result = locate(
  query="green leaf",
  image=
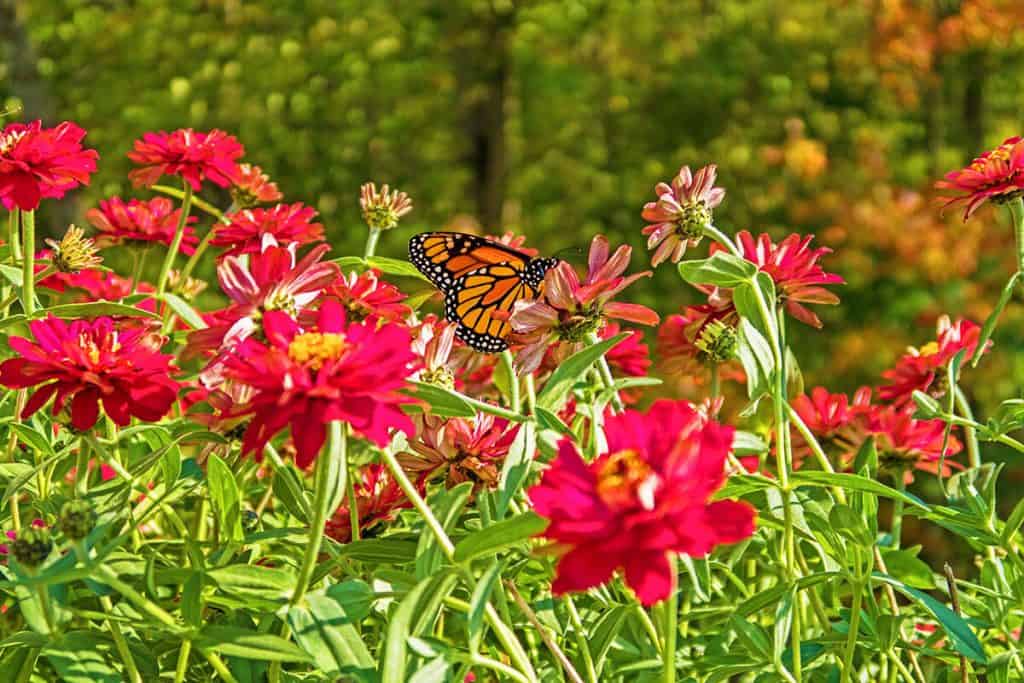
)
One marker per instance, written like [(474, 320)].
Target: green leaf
[(246, 579), (499, 536), (448, 506), (478, 604), (851, 524), (990, 322), (960, 634), (783, 623), (77, 659), (604, 633), (170, 465), (380, 550), (753, 637), (755, 354), (905, 566), (399, 629), (854, 482), (29, 436), (350, 263), (241, 642), (746, 443), (558, 386), (324, 627), (549, 420), (393, 266), (927, 407), (184, 310), (289, 491), (94, 309), (516, 467), (721, 269), (1013, 522), (442, 402), (226, 497)]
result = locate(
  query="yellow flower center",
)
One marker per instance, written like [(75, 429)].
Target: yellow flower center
[(8, 141), (1000, 154), (92, 350), (625, 476), (929, 349), (316, 348)]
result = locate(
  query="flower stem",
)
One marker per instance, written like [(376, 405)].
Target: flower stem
[(581, 639), (140, 265), (353, 507), (179, 234), (371, 243), (14, 234), (28, 263), (513, 381), (1016, 207), (183, 655), (715, 381), (670, 627), (970, 435), (107, 576), (218, 665), (605, 373), (851, 636), (204, 244), (897, 508), (720, 237), (121, 644), (40, 276)]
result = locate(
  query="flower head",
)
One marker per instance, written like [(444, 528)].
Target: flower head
[(996, 175), (286, 223), (839, 424), (305, 378), (432, 343), (250, 186), (682, 336), (37, 163), (184, 152), (74, 252), (91, 362), (367, 295), (647, 496), (460, 450), (924, 369), (378, 499), (32, 546), (904, 443), (569, 310), (794, 268), (134, 221), (382, 209), (683, 209)]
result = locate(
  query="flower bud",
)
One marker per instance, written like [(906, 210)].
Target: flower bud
[(382, 209), (717, 342), (74, 252), (32, 546), (77, 519)]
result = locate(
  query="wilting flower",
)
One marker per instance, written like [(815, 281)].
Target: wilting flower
[(91, 362), (677, 220), (155, 220), (904, 443), (250, 186), (184, 152), (569, 310), (37, 163), (368, 295), (270, 280), (285, 222), (307, 378), (460, 450), (793, 266), (74, 252), (996, 175), (646, 497), (924, 369), (432, 342), (382, 209), (378, 499)]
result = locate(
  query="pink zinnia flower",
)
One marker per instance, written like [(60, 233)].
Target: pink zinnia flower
[(904, 443), (677, 220), (460, 450), (37, 162), (155, 220), (924, 369), (996, 175), (839, 424), (285, 222), (378, 499), (793, 266), (184, 152), (90, 362), (368, 295), (251, 186), (646, 497), (432, 342), (569, 310), (307, 378), (680, 338)]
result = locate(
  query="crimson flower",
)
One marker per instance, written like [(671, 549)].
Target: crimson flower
[(904, 443), (307, 378), (287, 223), (378, 499), (682, 336), (793, 266), (368, 295), (155, 220), (251, 186), (184, 152), (833, 419), (924, 369), (90, 362), (568, 310), (647, 496), (460, 450), (996, 175), (683, 209), (96, 285), (37, 163)]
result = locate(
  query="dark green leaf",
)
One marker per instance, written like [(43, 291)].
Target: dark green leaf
[(399, 630), (95, 309), (558, 386), (225, 496), (516, 468), (478, 603), (77, 659), (240, 642), (324, 627), (442, 402), (497, 537)]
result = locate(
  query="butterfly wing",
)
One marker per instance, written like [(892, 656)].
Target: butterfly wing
[(445, 257), (474, 298)]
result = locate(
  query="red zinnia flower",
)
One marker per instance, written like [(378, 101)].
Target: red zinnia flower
[(461, 450), (155, 220), (287, 223), (647, 496), (184, 152), (997, 175), (924, 369), (378, 499), (904, 443), (569, 310), (834, 420), (306, 378), (680, 356), (367, 295), (793, 266), (91, 361), (37, 162), (251, 186), (681, 213)]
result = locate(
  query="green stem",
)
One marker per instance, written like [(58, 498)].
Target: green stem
[(970, 435), (531, 395), (720, 237), (670, 628), (172, 251), (204, 244), (816, 449), (140, 265), (218, 665), (41, 275), (371, 243), (353, 507), (107, 576), (183, 655), (14, 234), (581, 640), (605, 372), (508, 363), (897, 508), (1016, 207), (851, 637), (650, 629), (715, 381), (28, 263), (121, 644)]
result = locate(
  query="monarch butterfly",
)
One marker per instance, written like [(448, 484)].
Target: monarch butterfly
[(478, 276)]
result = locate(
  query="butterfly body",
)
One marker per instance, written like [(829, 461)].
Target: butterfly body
[(481, 280)]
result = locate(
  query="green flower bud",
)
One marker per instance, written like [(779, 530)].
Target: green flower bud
[(32, 546), (77, 519)]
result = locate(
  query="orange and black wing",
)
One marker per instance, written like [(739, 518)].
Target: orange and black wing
[(445, 257), (474, 298)]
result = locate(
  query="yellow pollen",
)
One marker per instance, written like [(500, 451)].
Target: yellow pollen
[(1000, 154), (624, 477), (7, 142), (316, 348), (929, 349)]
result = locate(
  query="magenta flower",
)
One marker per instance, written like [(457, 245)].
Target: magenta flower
[(997, 175), (683, 209), (193, 156), (155, 220), (37, 163), (287, 223)]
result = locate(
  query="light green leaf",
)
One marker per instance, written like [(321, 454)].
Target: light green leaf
[(94, 309), (240, 642), (499, 536), (721, 269), (225, 496), (184, 310), (558, 386)]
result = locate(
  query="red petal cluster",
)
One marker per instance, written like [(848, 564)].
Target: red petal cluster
[(368, 295), (150, 221), (184, 152), (378, 499), (286, 223), (919, 369), (997, 175), (37, 163)]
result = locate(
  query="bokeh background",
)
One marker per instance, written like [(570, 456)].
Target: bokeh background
[(556, 119)]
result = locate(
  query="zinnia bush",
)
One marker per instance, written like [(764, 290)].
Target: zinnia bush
[(304, 473)]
